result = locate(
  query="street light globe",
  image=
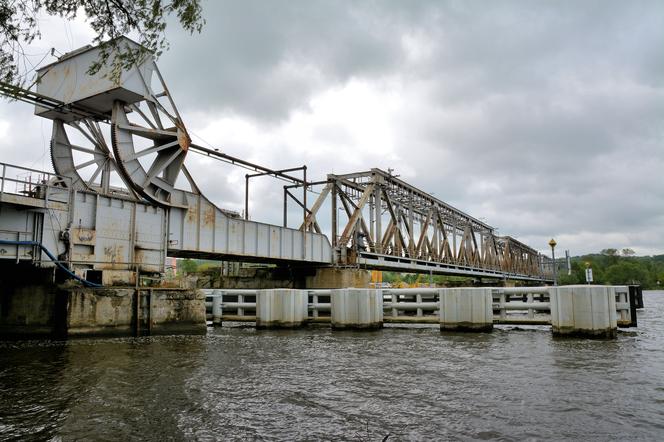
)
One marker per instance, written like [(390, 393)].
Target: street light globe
[(552, 243)]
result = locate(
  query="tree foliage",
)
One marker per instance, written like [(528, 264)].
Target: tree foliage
[(627, 252), (187, 266), (612, 268), (109, 19)]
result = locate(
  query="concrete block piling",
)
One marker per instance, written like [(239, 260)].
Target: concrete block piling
[(466, 309), (217, 310), (281, 308), (356, 309), (584, 310)]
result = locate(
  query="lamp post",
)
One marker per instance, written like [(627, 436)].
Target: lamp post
[(553, 243)]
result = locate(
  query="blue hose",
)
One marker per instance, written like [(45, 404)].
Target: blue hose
[(85, 282)]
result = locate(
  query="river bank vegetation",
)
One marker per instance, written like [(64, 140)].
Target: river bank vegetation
[(611, 266)]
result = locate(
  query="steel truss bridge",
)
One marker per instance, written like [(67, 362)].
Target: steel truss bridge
[(116, 201), (381, 222)]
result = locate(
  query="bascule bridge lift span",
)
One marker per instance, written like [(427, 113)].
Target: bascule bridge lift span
[(122, 197)]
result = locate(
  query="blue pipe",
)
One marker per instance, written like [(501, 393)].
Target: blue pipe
[(85, 282)]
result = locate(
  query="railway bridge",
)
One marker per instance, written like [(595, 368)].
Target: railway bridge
[(121, 199)]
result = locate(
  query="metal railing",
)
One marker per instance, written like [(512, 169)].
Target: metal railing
[(511, 305), (522, 305), (418, 305), (33, 185)]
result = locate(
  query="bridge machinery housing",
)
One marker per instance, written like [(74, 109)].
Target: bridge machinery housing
[(121, 198)]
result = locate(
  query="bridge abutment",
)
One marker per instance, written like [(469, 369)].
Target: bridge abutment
[(122, 311), (33, 306)]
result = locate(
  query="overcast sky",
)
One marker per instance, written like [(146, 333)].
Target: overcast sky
[(545, 119)]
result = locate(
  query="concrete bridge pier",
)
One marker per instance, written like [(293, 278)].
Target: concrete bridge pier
[(32, 305), (335, 278), (466, 310), (584, 311), (356, 309), (281, 308)]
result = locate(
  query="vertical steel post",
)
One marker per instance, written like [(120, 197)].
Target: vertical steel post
[(372, 219), (46, 195), (454, 242), (378, 239), (304, 210), (411, 225), (397, 222), (568, 261), (555, 270), (285, 207), (553, 243), (2, 184), (335, 221), (246, 197), (304, 198)]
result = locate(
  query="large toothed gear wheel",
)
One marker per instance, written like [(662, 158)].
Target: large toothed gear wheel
[(149, 153), (148, 140), (79, 151)]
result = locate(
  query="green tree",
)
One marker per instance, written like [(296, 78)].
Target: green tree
[(109, 19), (627, 252), (577, 275), (610, 256), (626, 272), (609, 252), (187, 266)]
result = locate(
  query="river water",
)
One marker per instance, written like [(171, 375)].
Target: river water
[(411, 384)]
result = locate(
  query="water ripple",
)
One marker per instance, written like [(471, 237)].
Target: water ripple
[(313, 384)]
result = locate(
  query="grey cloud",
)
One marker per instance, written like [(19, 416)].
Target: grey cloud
[(263, 59), (545, 118)]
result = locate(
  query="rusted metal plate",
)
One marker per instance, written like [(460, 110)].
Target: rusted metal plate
[(80, 235), (68, 81)]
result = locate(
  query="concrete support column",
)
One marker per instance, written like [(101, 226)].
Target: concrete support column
[(584, 310), (466, 309), (357, 309), (217, 312), (333, 278), (281, 308)]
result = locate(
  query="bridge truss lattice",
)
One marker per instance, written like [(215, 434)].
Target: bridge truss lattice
[(379, 221)]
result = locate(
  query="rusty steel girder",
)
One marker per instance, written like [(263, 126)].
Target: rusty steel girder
[(393, 225)]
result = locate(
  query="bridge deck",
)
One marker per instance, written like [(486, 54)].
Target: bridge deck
[(120, 233)]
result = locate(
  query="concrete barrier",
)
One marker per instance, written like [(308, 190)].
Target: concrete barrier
[(584, 310), (281, 308), (466, 309), (356, 309)]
